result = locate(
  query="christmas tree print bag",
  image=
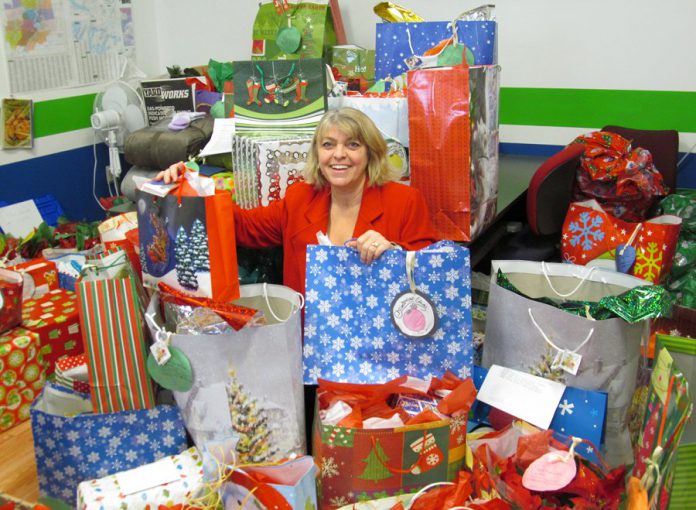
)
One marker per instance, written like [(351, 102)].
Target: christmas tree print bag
[(526, 334), (248, 383), (279, 95), (365, 464), (409, 312), (187, 238), (594, 237), (71, 444)]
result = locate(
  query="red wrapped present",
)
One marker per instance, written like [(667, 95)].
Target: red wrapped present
[(22, 375), (39, 275), (54, 316), (10, 300), (71, 372)]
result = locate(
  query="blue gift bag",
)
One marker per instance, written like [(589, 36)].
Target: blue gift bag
[(580, 413), (398, 41), (77, 447), (365, 324)]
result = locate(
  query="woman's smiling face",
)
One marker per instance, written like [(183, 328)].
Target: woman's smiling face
[(342, 160)]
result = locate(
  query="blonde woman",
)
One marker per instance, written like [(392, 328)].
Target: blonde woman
[(348, 195)]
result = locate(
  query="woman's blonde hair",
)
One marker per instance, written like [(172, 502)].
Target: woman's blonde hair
[(354, 124)]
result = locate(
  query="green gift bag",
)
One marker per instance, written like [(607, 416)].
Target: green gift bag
[(286, 31)]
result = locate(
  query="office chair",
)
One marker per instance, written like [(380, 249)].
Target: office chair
[(549, 194), (662, 144)]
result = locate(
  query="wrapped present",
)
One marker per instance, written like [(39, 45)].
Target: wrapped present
[(22, 375), (168, 482), (593, 237), (265, 165), (39, 276), (122, 231), (71, 444), (55, 318), (10, 299), (354, 65), (71, 372)]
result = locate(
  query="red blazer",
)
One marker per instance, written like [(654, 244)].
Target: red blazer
[(396, 211)]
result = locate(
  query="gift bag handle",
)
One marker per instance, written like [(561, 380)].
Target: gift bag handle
[(270, 309), (426, 489), (548, 340), (545, 272)]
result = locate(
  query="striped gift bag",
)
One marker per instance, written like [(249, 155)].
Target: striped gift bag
[(110, 297)]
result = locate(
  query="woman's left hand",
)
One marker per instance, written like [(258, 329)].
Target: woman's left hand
[(370, 246)]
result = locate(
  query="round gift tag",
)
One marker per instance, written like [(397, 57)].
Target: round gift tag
[(176, 374), (414, 314), (550, 472), (288, 39)]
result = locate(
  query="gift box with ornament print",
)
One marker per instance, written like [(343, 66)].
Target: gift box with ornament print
[(55, 318), (169, 483), (22, 375)]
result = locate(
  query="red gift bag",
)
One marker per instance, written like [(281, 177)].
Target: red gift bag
[(591, 236), (439, 136)]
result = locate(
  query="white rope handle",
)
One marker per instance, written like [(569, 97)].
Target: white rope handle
[(292, 308), (548, 340), (545, 272), (161, 335), (426, 489), (410, 266)]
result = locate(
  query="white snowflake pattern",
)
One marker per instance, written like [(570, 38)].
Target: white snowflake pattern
[(365, 367), (310, 330), (371, 301), (356, 342), (73, 435), (142, 439), (338, 344), (566, 407), (436, 261), (324, 307), (131, 455), (322, 256), (329, 467), (333, 320), (338, 370), (75, 451), (350, 356), (385, 274), (346, 314), (393, 373), (451, 292), (393, 357), (378, 322), (93, 457), (425, 359), (378, 343), (432, 459), (342, 255), (356, 289), (311, 296), (314, 373), (330, 282), (130, 419), (355, 271)]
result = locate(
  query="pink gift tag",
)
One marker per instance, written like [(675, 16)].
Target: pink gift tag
[(550, 472)]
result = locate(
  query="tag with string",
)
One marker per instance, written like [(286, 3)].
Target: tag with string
[(412, 311), (167, 365)]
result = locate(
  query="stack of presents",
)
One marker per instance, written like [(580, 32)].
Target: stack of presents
[(152, 379)]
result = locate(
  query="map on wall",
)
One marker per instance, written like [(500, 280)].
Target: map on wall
[(65, 43)]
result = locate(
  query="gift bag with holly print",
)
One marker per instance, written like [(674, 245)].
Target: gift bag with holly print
[(594, 237), (187, 237), (279, 95), (527, 331), (669, 406)]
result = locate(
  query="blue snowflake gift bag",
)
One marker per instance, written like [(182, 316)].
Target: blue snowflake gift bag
[(71, 444), (525, 332), (408, 313)]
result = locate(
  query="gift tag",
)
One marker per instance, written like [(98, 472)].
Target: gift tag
[(176, 374), (550, 472), (568, 361), (625, 257), (413, 313), (160, 351)]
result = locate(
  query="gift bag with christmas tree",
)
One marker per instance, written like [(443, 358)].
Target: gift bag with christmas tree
[(244, 383), (187, 237), (282, 95), (367, 445), (593, 237)]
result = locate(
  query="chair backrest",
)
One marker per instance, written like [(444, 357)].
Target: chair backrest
[(662, 144), (551, 190)]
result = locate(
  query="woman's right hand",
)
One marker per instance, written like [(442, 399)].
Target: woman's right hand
[(172, 174)]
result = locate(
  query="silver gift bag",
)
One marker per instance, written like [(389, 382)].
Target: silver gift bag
[(248, 383), (528, 335)]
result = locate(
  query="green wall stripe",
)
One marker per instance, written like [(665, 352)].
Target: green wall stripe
[(62, 115), (640, 109)]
